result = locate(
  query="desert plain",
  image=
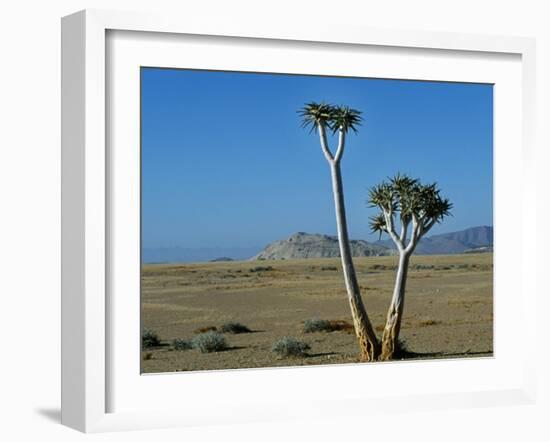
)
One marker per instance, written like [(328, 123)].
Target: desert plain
[(448, 309)]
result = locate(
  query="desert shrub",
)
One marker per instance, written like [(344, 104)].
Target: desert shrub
[(289, 346), (382, 267), (316, 325), (261, 269), (147, 356), (209, 342), (235, 328), (423, 266), (324, 325), (182, 344), (378, 267), (428, 322), (149, 338), (330, 268), (461, 266), (205, 329)]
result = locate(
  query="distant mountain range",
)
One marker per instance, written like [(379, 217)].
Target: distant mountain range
[(307, 245), (474, 239)]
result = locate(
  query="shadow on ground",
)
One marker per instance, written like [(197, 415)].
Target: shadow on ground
[(406, 354)]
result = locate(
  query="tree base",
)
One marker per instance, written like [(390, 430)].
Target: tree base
[(390, 345), (369, 351)]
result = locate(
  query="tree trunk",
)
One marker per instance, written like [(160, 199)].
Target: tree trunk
[(390, 343), (368, 342)]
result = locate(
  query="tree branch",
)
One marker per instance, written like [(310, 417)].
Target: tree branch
[(341, 144), (404, 228), (416, 233), (388, 216), (324, 143), (428, 226)]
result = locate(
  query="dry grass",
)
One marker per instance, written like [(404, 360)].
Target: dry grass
[(446, 312)]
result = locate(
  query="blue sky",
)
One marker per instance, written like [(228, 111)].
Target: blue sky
[(225, 162)]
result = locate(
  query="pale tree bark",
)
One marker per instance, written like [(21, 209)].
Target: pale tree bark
[(368, 342), (390, 336)]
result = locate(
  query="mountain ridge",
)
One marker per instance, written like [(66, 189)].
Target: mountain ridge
[(314, 245), (461, 241), (306, 245)]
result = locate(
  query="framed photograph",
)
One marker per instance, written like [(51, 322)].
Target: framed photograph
[(260, 222)]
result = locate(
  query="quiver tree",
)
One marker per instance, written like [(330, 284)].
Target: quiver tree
[(339, 120), (416, 207)]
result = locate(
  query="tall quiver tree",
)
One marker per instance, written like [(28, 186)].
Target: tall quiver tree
[(339, 120), (416, 207)]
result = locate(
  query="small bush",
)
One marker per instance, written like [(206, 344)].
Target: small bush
[(443, 268), (182, 344), (235, 328), (261, 269), (147, 356), (205, 329), (289, 346), (209, 342), (423, 266), (330, 268), (428, 322), (149, 338), (378, 267), (324, 325), (316, 325)]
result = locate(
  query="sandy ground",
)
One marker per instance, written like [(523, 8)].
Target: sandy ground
[(448, 308)]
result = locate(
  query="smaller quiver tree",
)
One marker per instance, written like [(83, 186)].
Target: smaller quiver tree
[(405, 204)]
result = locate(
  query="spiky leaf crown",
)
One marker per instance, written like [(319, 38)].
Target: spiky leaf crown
[(404, 196), (333, 117)]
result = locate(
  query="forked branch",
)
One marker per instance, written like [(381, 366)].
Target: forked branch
[(413, 203)]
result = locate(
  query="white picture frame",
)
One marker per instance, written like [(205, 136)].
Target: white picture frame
[(86, 205)]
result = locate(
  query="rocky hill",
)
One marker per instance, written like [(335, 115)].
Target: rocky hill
[(306, 245)]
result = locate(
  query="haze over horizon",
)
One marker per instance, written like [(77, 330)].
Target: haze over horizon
[(226, 165), (181, 254)]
